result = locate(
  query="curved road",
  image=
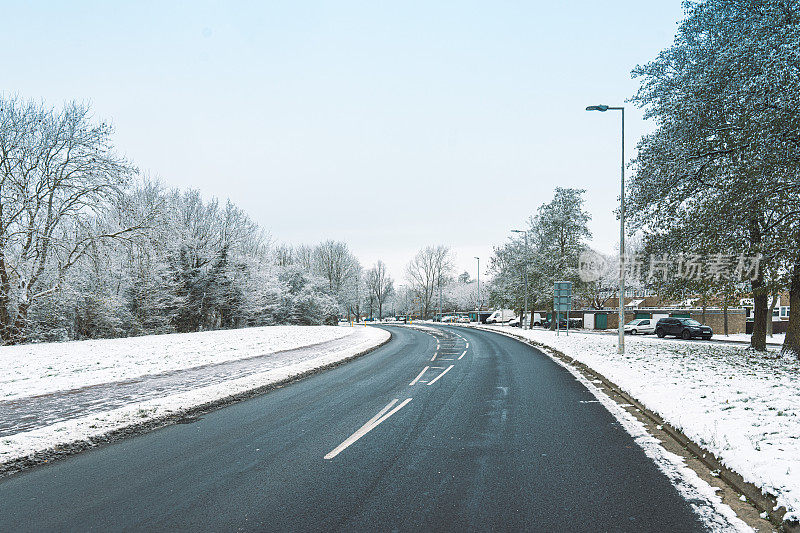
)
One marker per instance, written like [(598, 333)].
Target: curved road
[(491, 435)]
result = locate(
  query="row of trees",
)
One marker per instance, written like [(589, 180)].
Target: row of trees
[(89, 248), (718, 177), (721, 171), (549, 252)]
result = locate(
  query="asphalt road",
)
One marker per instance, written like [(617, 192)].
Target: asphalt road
[(493, 435)]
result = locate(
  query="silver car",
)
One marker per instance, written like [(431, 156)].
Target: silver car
[(640, 325)]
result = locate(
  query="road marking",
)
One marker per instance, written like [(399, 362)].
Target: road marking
[(433, 358), (419, 376), (445, 359), (439, 367), (467, 346), (369, 426), (440, 375), (462, 355)]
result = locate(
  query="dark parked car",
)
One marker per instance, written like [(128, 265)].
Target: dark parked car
[(562, 323), (685, 328)]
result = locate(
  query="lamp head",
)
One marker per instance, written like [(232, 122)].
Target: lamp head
[(597, 108)]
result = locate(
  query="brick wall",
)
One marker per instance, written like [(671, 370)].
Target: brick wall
[(715, 318)]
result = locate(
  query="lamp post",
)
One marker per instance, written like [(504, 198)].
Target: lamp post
[(621, 332), (478, 313), (525, 276)]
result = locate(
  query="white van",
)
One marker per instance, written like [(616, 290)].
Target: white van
[(501, 316)]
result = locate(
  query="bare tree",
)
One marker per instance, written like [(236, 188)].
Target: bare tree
[(380, 285), (303, 256), (58, 172), (427, 273), (334, 263)]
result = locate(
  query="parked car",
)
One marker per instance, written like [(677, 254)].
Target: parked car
[(501, 316), (640, 325), (537, 320), (463, 320), (685, 328), (562, 323)]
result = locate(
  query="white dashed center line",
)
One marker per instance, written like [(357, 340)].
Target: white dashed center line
[(440, 375), (369, 426), (414, 381)]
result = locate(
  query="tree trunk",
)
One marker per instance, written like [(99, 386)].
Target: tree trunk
[(758, 341), (769, 313), (725, 317), (5, 301), (791, 344), (18, 330)]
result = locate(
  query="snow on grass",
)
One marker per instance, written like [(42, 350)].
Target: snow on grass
[(741, 405), (33, 369), (96, 425), (776, 338)]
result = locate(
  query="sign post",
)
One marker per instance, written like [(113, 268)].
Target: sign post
[(562, 301)]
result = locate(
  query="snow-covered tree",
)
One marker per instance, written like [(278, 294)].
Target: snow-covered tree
[(58, 171), (722, 165)]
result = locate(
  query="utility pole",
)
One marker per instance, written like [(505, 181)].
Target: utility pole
[(621, 317), (524, 276), (478, 313), (440, 298)]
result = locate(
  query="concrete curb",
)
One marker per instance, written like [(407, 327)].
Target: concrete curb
[(188, 415), (764, 502)]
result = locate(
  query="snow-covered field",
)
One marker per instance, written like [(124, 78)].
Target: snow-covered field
[(71, 362), (33, 369), (742, 406)]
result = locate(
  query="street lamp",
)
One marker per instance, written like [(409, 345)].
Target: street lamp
[(525, 276), (621, 332), (478, 313)]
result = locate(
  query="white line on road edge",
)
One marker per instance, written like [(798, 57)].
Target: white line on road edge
[(369, 426), (462, 355), (440, 375), (419, 376)]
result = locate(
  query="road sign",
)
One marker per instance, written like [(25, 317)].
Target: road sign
[(562, 296), (562, 301)]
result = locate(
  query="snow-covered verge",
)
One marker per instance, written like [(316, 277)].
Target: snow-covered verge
[(742, 406), (92, 428), (34, 369), (776, 338)]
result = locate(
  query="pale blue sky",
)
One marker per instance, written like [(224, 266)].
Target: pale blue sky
[(390, 125)]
